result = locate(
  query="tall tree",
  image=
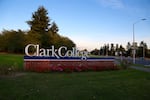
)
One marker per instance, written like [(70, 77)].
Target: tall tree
[(54, 28), (40, 21), (39, 26), (1, 42), (117, 50), (121, 50), (117, 47), (112, 50), (142, 49), (129, 49), (12, 41)]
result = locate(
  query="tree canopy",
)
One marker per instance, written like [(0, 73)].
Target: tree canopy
[(42, 31), (40, 21)]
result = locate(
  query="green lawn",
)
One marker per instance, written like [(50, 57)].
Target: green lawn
[(11, 59), (106, 85), (139, 65)]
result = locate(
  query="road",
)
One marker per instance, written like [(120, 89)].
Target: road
[(140, 61)]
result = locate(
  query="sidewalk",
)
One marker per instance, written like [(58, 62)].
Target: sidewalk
[(141, 68)]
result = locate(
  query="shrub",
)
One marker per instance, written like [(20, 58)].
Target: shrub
[(6, 69), (124, 64)]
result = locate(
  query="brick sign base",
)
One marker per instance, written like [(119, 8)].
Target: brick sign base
[(48, 64)]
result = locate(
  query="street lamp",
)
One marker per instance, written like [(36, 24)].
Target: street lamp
[(143, 51), (134, 51)]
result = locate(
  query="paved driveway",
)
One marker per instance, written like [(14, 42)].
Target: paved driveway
[(141, 61), (141, 68)]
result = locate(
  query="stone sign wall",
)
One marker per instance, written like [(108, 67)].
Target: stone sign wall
[(63, 59), (47, 64)]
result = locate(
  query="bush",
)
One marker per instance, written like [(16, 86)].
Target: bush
[(124, 64), (6, 69)]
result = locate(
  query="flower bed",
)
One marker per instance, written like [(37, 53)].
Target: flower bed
[(68, 65)]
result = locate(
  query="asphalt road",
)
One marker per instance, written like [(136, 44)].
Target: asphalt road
[(141, 68), (140, 61)]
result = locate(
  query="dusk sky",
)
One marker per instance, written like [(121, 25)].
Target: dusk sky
[(89, 23)]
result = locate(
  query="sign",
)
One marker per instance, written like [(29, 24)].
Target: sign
[(63, 59), (52, 52)]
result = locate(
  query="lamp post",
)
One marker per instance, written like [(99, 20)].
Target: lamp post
[(134, 51), (143, 50)]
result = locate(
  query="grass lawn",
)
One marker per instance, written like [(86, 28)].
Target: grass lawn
[(107, 85), (127, 84), (11, 59), (139, 65)]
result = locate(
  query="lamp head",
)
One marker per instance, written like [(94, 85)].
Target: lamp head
[(143, 19)]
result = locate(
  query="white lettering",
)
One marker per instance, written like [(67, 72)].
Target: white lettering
[(54, 52), (69, 53), (37, 50), (60, 52), (27, 49), (42, 52)]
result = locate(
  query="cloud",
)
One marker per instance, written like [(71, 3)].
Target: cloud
[(112, 3)]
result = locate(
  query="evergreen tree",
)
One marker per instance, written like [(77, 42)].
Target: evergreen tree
[(39, 27), (129, 49), (40, 21), (112, 50), (142, 49), (12, 41), (54, 28), (43, 33), (122, 50)]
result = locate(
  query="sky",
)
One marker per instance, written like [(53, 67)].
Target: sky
[(89, 23)]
